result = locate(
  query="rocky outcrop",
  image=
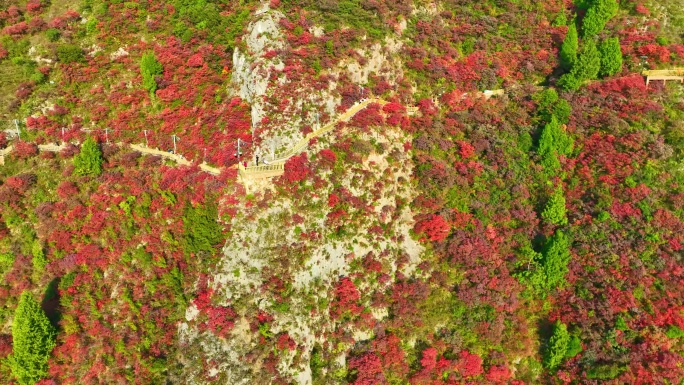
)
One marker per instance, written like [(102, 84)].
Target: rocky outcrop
[(251, 69)]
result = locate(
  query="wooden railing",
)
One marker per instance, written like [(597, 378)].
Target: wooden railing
[(263, 171)]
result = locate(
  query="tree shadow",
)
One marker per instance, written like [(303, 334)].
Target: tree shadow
[(50, 303), (544, 333)]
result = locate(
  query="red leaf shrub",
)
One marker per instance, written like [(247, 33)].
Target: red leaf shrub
[(333, 200), (285, 342), (368, 369), (67, 190), (16, 29), (346, 299), (296, 169), (388, 348), (220, 320), (327, 157), (429, 359), (466, 150), (195, 60), (655, 51), (24, 150), (641, 9), (498, 374), (436, 228), (5, 345), (34, 6)]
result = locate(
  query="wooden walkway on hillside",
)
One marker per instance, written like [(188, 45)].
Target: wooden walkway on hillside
[(276, 166)]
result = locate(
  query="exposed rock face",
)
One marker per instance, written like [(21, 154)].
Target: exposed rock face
[(251, 70), (261, 247), (264, 242), (260, 78)]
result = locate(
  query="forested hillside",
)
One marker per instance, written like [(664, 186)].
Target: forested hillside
[(499, 200)]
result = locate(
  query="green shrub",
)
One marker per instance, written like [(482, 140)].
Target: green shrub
[(568, 51), (574, 347), (569, 82), (89, 160), (53, 34), (6, 262), (39, 261), (620, 323), (562, 111), (150, 68), (546, 99), (674, 332), (33, 338), (557, 347), (549, 104), (604, 372), (611, 57), (69, 53), (202, 230), (554, 213)]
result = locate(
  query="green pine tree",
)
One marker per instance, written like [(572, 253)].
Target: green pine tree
[(33, 338), (555, 139), (598, 14), (555, 261), (89, 160), (588, 62), (568, 51), (554, 213), (150, 68), (611, 57), (557, 347)]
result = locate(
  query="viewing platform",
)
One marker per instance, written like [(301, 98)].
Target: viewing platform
[(664, 75)]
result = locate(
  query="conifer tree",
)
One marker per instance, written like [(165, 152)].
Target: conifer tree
[(554, 213), (33, 338), (588, 62), (555, 139), (89, 160), (555, 260), (611, 57), (568, 51), (557, 347), (150, 68), (598, 14)]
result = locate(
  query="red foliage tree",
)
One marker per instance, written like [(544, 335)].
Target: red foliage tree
[(469, 365)]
